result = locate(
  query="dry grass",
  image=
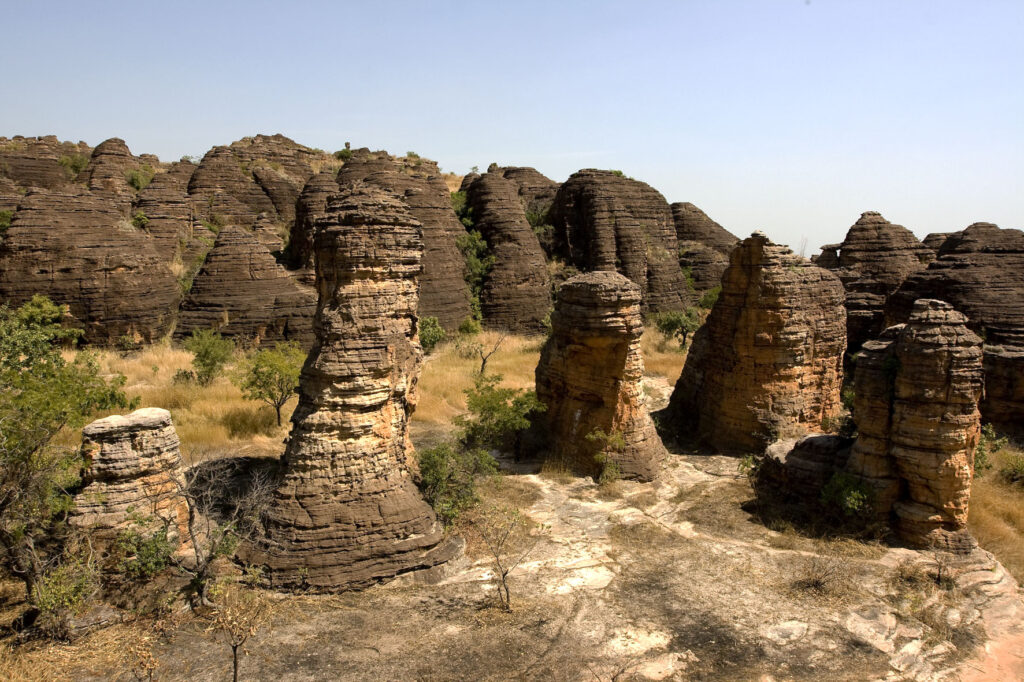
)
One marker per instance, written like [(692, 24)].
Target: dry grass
[(662, 356), (453, 181), (997, 515)]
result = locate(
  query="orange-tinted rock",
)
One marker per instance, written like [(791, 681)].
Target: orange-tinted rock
[(133, 478), (605, 221), (241, 291), (418, 183), (768, 361), (589, 377), (916, 405), (80, 250), (347, 513), (516, 294)]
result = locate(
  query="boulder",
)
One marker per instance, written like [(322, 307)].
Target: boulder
[(916, 405), (768, 361), (605, 221), (589, 377), (444, 293), (78, 249), (516, 293), (347, 513), (132, 478), (241, 291)]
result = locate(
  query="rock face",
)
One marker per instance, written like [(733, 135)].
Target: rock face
[(79, 250), (934, 240), (311, 206), (980, 272), (418, 183), (605, 221), (241, 291), (347, 513), (517, 291), (222, 189), (873, 261), (768, 361), (536, 190), (916, 405), (132, 469), (704, 246), (169, 216), (42, 162), (108, 169), (589, 378)]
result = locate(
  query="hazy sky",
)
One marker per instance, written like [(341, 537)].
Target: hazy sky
[(790, 116)]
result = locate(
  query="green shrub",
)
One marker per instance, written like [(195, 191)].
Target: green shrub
[(619, 173), (126, 343), (140, 178), (431, 333), (496, 414), (1013, 470), (479, 261), (448, 477), (688, 277), (710, 297), (462, 209), (62, 592), (343, 154), (271, 375), (848, 496), (989, 444), (678, 323), (140, 556), (140, 220), (183, 376), (211, 351), (412, 155), (214, 223), (5, 220), (470, 327), (73, 164), (610, 444)]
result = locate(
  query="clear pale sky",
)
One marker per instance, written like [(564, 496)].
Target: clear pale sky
[(783, 115)]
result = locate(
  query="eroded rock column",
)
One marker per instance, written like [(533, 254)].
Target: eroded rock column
[(347, 513), (589, 378), (767, 364)]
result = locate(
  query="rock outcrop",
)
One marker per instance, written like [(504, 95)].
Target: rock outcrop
[(873, 261), (310, 207), (704, 246), (980, 272), (768, 361), (347, 513), (605, 221), (43, 162), (241, 291), (223, 190), (916, 405), (536, 191), (168, 213), (516, 293), (108, 169), (133, 477), (78, 249), (935, 240), (589, 377), (418, 183)]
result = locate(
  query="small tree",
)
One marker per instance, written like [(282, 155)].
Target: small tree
[(448, 477), (431, 333), (271, 375), (237, 616), (211, 351), (678, 323), (506, 533), (496, 415)]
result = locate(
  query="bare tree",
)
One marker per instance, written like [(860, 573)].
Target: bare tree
[(238, 614), (506, 533), (485, 356)]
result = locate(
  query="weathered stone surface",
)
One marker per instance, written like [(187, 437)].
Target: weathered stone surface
[(589, 378), (107, 172), (605, 221), (934, 240), (704, 246), (36, 161), (132, 476), (223, 188), (873, 261), (517, 291), (347, 513), (310, 207), (916, 405), (169, 214), (768, 361), (536, 191), (418, 183), (980, 272), (799, 468), (78, 249), (467, 180), (241, 291), (10, 195)]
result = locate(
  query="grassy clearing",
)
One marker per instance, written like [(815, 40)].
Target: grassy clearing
[(997, 515), (662, 356)]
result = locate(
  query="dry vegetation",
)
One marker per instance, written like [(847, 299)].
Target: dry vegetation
[(997, 515)]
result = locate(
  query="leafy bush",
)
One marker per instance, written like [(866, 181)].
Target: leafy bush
[(470, 327), (479, 261), (618, 173), (462, 209), (140, 556), (140, 178), (211, 352), (431, 333), (140, 220), (74, 164), (63, 591), (688, 277), (412, 155), (271, 375), (848, 495), (710, 297), (496, 414), (126, 343), (610, 443), (678, 323), (988, 444), (5, 220), (214, 223), (183, 376), (448, 477), (1013, 470)]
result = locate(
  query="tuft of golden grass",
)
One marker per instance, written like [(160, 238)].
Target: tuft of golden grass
[(453, 181), (662, 356), (996, 516)]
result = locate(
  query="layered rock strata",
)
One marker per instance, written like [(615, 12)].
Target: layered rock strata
[(589, 377), (168, 214), (133, 477), (980, 272), (516, 294), (873, 261), (418, 183), (78, 249), (536, 191), (241, 291), (311, 206), (704, 246), (43, 162), (916, 405), (109, 168), (347, 513), (605, 221), (768, 361)]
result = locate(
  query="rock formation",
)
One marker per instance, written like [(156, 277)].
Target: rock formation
[(517, 291), (347, 513), (467, 180), (241, 291), (934, 240), (311, 206), (418, 183), (536, 191), (768, 361), (133, 478), (704, 246), (589, 378), (41, 161), (223, 189), (168, 212), (916, 405), (873, 261), (108, 170), (78, 249), (980, 272), (605, 221)]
